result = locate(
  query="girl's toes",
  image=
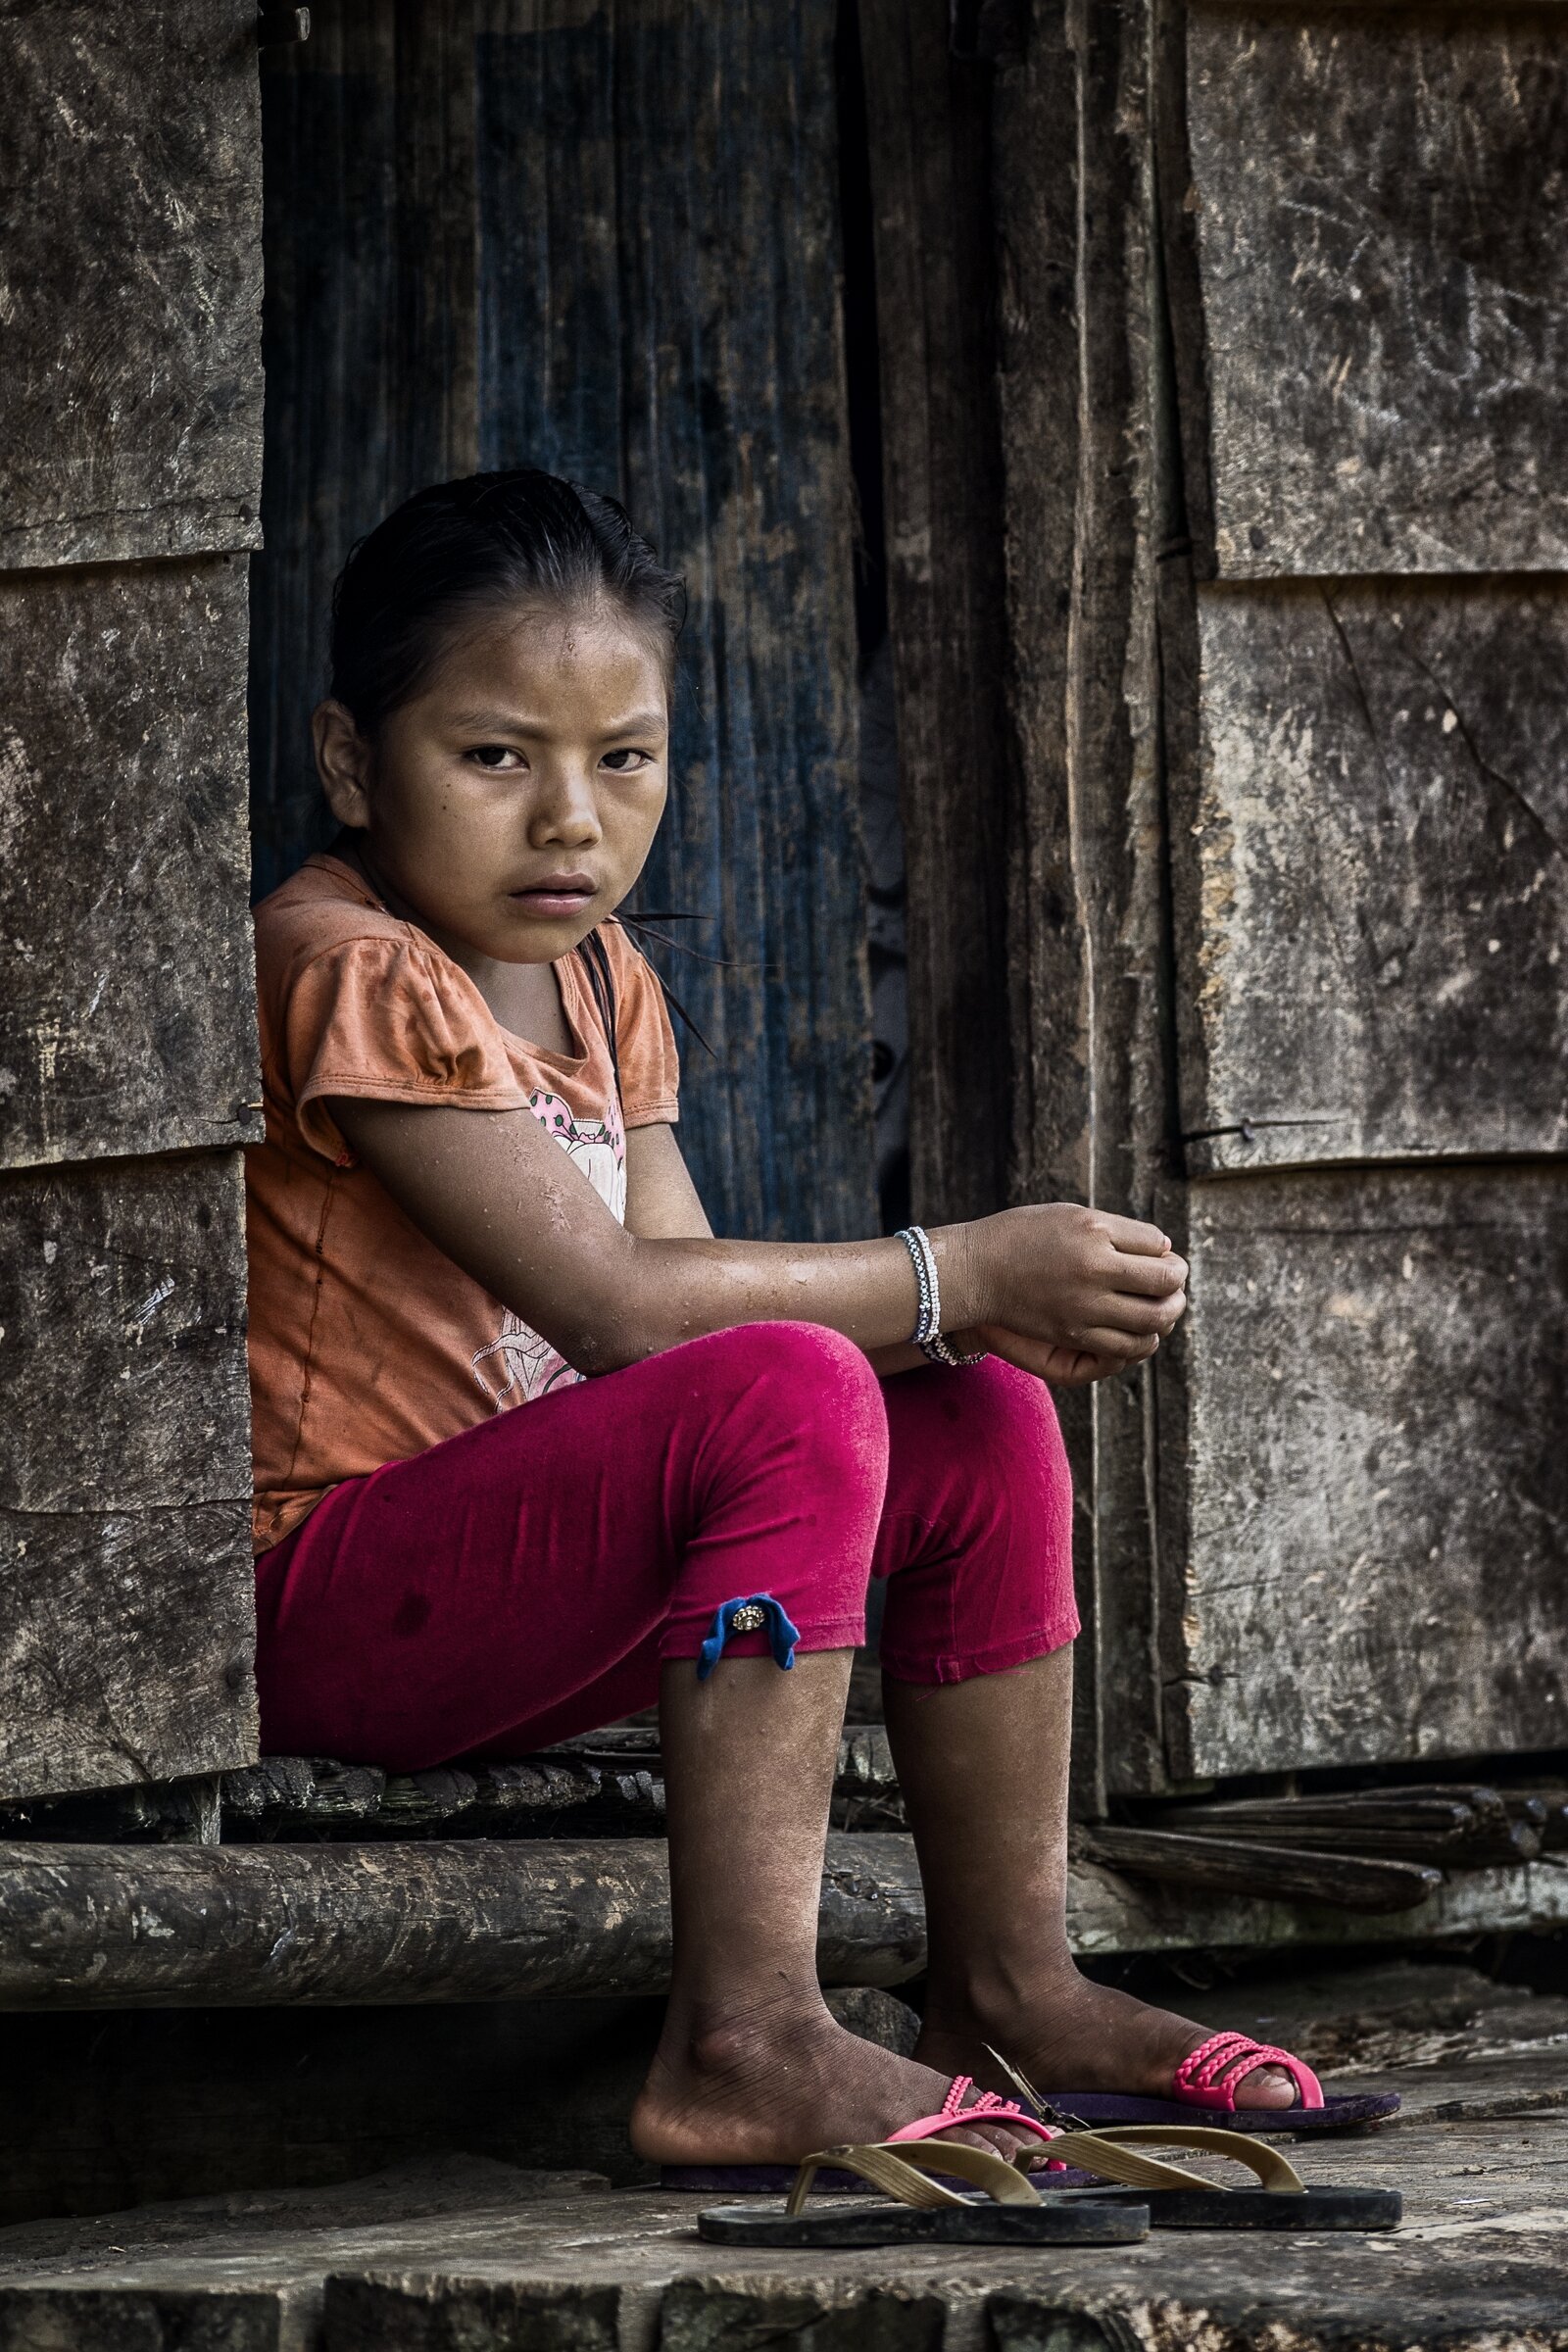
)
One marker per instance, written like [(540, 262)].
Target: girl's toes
[(1266, 2086)]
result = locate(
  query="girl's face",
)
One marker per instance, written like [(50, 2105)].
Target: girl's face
[(512, 801)]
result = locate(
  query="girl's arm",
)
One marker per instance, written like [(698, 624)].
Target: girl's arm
[(662, 1202), (495, 1191), (663, 1205)]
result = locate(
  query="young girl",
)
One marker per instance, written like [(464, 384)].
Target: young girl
[(533, 1450)]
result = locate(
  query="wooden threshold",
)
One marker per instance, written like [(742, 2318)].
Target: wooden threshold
[(99, 1927)]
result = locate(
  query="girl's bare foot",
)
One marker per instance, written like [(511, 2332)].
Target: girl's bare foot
[(1068, 2033), (983, 1767), (771, 2084)]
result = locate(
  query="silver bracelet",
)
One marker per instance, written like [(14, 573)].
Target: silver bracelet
[(927, 1332), (928, 1319)]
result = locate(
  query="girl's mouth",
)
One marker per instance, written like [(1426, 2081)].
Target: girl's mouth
[(556, 895)]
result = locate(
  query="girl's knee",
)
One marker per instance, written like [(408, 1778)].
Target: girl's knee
[(815, 1379), (802, 1406), (979, 1534), (790, 1461), (980, 1443), (1005, 1417)]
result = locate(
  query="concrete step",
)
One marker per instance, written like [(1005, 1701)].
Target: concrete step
[(465, 2256)]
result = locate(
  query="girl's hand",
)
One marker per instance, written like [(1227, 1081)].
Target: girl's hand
[(1074, 1293), (1061, 1367)]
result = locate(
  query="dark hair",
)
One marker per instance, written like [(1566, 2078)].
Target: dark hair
[(459, 547)]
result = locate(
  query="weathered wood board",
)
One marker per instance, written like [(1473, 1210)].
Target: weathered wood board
[(127, 1615), (460, 1918), (659, 314), (1380, 198), (1376, 1487), (1085, 941), (571, 273), (929, 137), (1372, 886), (131, 281), (369, 345), (128, 1014)]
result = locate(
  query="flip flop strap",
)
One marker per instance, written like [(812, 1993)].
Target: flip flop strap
[(1227, 2059), (1112, 2153), (987, 2108), (900, 2173)]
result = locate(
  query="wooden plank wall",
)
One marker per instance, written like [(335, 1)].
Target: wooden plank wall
[(1084, 525), (1367, 809), (996, 481), (1281, 361), (928, 134), (130, 374), (604, 240)]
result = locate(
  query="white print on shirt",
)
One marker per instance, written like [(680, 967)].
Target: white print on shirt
[(530, 1365)]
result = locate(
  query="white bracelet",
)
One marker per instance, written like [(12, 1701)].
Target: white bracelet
[(928, 1318), (927, 1332)]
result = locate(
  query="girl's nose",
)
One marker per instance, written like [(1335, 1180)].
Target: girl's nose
[(567, 813)]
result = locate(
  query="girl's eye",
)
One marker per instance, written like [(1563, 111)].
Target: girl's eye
[(497, 756), (632, 761)]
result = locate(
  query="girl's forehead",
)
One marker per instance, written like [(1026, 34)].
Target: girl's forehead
[(552, 650)]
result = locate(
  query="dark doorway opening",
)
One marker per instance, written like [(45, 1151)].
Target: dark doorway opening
[(881, 821)]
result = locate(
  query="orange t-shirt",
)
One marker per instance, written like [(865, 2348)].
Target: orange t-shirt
[(367, 1343)]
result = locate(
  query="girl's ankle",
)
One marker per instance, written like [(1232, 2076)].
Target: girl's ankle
[(998, 1999), (736, 2038)]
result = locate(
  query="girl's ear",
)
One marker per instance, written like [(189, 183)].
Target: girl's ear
[(343, 763)]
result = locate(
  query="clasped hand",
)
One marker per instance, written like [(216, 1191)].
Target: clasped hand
[(1073, 1293)]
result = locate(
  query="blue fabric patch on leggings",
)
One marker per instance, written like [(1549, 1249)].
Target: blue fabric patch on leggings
[(781, 1634)]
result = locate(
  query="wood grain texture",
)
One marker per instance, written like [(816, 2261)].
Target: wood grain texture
[(1379, 197), (547, 276), (126, 1591), (611, 1786), (131, 282), (159, 1927), (1241, 1865), (1371, 884), (1376, 1487), (128, 1014), (928, 119), (369, 344), (1110, 1912), (1085, 493), (659, 264)]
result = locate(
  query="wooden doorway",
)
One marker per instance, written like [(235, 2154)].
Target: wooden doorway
[(606, 240)]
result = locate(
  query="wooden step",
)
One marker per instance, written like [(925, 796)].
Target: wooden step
[(96, 1927), (496, 2259), (609, 1785), (1347, 1881), (1472, 1825), (337, 1923)]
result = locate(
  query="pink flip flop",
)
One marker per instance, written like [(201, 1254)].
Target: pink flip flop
[(772, 2179), (1208, 2077)]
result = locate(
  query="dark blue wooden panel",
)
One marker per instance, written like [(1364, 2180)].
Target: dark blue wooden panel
[(367, 342), (609, 247), (659, 317)]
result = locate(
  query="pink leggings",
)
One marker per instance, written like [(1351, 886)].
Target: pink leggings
[(527, 1579)]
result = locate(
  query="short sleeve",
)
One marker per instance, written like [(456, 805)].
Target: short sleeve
[(387, 1019), (645, 1042)]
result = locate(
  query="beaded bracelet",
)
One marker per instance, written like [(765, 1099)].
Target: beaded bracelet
[(941, 1352), (927, 1332), (928, 1318)]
